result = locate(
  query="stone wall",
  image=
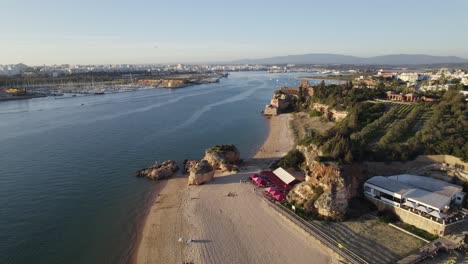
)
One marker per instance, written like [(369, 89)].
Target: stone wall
[(417, 220)]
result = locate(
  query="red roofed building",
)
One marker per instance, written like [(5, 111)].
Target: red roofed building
[(282, 179)]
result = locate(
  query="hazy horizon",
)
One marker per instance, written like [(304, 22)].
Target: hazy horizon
[(161, 32)]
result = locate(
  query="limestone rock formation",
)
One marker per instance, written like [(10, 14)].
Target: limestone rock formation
[(305, 194), (223, 157), (310, 153), (331, 114), (324, 192), (278, 104), (159, 170), (201, 173), (188, 165), (332, 203)]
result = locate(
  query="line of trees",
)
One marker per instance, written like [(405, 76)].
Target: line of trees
[(401, 127), (446, 132)]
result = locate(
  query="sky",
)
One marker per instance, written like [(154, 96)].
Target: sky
[(196, 31)]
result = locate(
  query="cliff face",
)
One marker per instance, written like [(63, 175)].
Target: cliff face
[(223, 157), (324, 192), (278, 104), (159, 170), (200, 173), (310, 153)]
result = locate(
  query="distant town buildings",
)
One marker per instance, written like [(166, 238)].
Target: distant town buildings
[(400, 97), (410, 77)]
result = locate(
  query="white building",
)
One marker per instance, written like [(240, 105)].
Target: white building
[(419, 194), (410, 77), (436, 87), (464, 81)]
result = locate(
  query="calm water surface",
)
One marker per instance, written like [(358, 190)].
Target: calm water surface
[(67, 188)]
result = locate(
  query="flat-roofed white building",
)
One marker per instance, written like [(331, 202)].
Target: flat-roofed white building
[(419, 194), (287, 177), (454, 192)]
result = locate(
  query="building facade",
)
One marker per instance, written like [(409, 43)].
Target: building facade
[(425, 198)]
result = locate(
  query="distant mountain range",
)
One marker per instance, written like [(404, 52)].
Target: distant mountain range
[(394, 59)]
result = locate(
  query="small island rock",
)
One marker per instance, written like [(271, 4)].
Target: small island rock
[(159, 170)]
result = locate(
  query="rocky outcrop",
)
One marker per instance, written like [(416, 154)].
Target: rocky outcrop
[(159, 170), (324, 192), (200, 173), (331, 114), (278, 104), (223, 157), (332, 204), (310, 153), (188, 165), (304, 195)]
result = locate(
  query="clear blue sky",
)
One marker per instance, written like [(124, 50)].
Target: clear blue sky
[(164, 31)]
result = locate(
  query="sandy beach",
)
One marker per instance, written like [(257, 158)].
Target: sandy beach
[(239, 228), (279, 140)]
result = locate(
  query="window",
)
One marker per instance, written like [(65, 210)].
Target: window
[(367, 189)]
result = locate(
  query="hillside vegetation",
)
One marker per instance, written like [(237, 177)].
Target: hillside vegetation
[(381, 131)]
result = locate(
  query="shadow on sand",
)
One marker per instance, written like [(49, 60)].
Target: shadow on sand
[(201, 241)]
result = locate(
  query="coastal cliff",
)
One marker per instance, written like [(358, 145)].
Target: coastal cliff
[(278, 104), (324, 192)]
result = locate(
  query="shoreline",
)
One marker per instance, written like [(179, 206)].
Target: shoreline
[(222, 228), (279, 140), (135, 244), (16, 98)]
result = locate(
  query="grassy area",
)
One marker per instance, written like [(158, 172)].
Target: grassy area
[(419, 232), (302, 123), (371, 239)]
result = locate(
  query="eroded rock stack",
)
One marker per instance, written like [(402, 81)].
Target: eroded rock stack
[(159, 170), (200, 173), (223, 157)]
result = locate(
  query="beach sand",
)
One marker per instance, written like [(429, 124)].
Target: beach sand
[(240, 228), (280, 139)]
